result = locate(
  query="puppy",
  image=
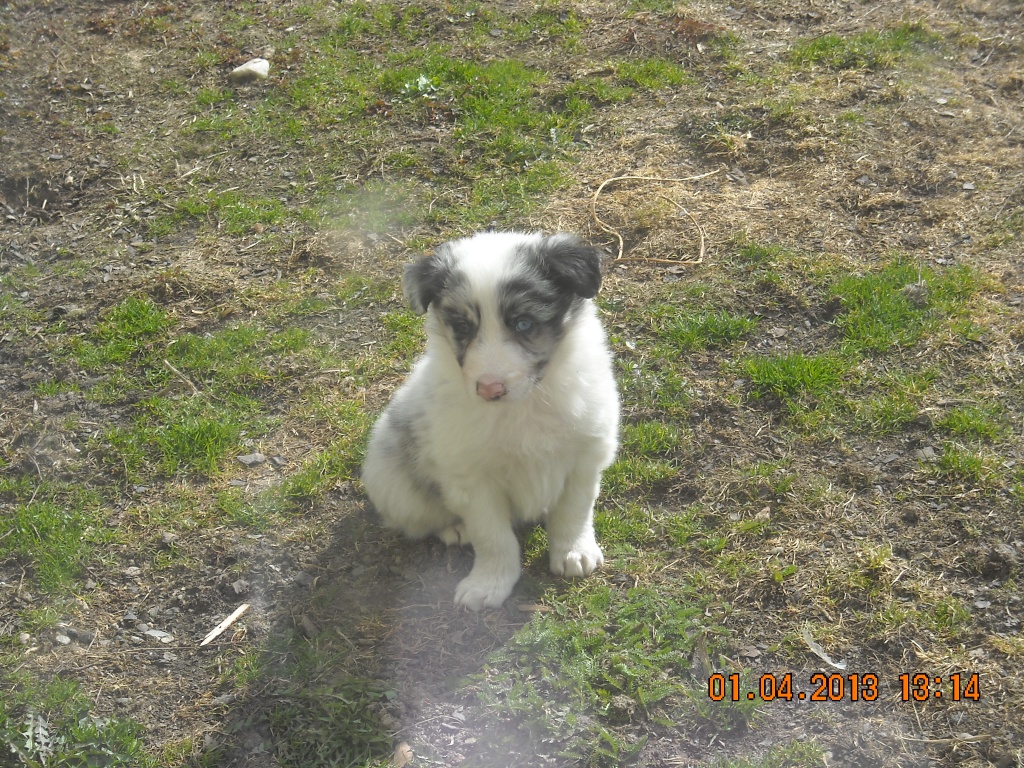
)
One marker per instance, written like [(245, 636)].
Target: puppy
[(510, 415)]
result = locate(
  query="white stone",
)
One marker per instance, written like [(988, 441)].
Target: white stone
[(256, 69)]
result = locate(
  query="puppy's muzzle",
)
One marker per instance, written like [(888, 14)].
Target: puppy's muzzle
[(491, 389)]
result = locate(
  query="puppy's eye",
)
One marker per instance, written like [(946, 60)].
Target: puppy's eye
[(524, 325), (461, 327)]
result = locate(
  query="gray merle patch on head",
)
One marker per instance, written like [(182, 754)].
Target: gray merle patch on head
[(425, 280), (461, 315), (547, 309), (535, 298), (570, 264)]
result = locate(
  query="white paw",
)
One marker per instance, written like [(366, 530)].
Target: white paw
[(485, 588), (582, 559), (454, 535)]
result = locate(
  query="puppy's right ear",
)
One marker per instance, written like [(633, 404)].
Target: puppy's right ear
[(424, 280)]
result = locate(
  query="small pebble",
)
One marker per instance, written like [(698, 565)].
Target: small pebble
[(256, 69), (252, 459), (163, 637)]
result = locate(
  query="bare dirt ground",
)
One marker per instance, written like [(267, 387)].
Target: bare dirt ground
[(936, 172)]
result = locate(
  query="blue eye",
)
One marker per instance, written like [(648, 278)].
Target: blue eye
[(523, 325)]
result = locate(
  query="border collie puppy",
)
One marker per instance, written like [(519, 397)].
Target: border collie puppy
[(510, 415)]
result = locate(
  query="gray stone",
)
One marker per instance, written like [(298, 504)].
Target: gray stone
[(252, 459)]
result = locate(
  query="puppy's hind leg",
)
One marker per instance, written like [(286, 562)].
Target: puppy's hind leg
[(406, 502), (455, 535)]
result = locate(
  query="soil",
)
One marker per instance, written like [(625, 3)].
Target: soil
[(937, 180)]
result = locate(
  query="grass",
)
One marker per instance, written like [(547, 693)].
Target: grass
[(985, 421), (900, 303), (339, 461), (871, 49), (627, 654), (307, 720), (796, 376), (221, 379), (65, 738), (758, 475), (648, 458), (50, 530), (125, 332), (687, 331)]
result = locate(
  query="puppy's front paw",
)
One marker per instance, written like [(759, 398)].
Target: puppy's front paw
[(485, 588), (581, 559)]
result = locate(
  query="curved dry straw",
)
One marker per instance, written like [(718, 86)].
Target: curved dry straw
[(611, 230)]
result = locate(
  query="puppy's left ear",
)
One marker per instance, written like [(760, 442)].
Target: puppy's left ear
[(572, 264), (423, 281)]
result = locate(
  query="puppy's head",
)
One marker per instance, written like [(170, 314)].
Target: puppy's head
[(503, 302)]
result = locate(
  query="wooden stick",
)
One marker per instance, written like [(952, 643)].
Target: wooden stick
[(215, 632)]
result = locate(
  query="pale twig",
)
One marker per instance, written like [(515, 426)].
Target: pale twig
[(183, 377), (611, 230), (215, 632), (700, 231)]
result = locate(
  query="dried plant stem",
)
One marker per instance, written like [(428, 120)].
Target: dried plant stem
[(611, 230)]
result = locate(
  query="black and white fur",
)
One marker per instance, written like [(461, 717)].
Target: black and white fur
[(510, 415)]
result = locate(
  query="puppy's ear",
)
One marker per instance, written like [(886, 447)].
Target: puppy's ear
[(572, 264), (423, 281)]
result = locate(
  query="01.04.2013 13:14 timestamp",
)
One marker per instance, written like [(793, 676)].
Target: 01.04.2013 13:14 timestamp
[(840, 687)]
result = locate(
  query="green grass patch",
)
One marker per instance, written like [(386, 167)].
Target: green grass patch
[(404, 333), (796, 376), (51, 726), (238, 358), (50, 533), (604, 657), (893, 401), (189, 435), (316, 714), (648, 458), (127, 331), (867, 50), (194, 435), (961, 463), (334, 724), (762, 254), (220, 378), (984, 421), (900, 303), (582, 96), (652, 74), (356, 290), (684, 526), (231, 210), (886, 413), (624, 528), (704, 330), (549, 23), (338, 462)]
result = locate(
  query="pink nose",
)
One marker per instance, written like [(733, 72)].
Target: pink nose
[(491, 389)]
